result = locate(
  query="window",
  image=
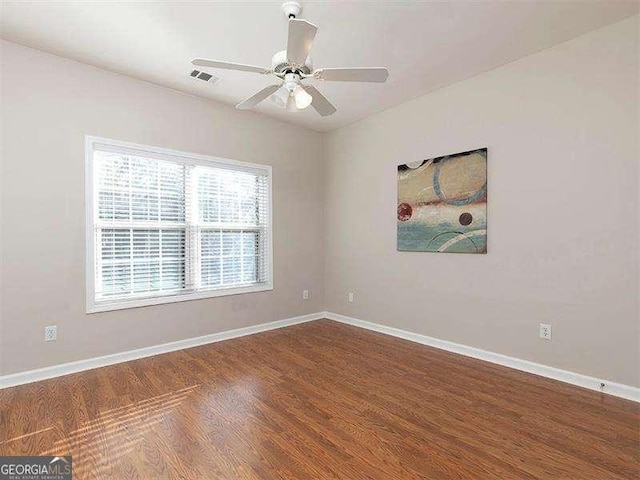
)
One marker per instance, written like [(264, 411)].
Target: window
[(166, 226)]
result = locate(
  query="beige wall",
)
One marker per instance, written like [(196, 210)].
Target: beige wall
[(562, 131), (47, 106)]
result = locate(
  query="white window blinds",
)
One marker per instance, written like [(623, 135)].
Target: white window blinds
[(174, 227)]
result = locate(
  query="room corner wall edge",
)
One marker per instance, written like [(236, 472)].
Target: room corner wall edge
[(611, 388), (29, 376)]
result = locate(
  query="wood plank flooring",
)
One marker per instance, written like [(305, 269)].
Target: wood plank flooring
[(321, 400)]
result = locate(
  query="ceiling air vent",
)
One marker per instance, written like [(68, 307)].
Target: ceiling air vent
[(204, 76)]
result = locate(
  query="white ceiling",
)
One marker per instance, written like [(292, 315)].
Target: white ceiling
[(425, 44)]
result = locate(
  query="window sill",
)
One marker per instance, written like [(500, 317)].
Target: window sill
[(107, 306)]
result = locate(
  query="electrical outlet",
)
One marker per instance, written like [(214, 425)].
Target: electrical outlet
[(545, 331), (350, 297), (305, 294), (50, 333)]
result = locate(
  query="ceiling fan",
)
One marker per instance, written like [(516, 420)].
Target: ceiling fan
[(294, 65)]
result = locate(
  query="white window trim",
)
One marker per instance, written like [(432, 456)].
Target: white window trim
[(175, 156)]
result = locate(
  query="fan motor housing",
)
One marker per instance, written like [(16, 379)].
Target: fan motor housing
[(279, 64)]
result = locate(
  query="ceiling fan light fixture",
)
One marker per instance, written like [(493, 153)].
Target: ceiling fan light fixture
[(301, 97), (291, 96), (281, 97), (291, 104)]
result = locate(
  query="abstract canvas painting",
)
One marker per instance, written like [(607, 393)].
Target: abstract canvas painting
[(442, 204)]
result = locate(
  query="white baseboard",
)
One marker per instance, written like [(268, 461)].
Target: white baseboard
[(91, 363), (592, 383)]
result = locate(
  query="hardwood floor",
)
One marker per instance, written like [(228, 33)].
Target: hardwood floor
[(321, 400)]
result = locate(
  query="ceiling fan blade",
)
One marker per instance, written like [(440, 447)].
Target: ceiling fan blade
[(301, 35), (378, 75), (201, 62), (257, 98), (319, 102)]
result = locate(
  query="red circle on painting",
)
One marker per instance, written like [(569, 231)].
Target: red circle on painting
[(404, 212)]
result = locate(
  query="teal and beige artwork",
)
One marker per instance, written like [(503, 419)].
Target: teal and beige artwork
[(442, 204)]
